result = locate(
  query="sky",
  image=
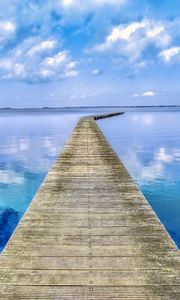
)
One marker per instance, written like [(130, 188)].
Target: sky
[(89, 52)]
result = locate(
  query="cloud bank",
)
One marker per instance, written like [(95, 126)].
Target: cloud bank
[(50, 40), (137, 41), (36, 60)]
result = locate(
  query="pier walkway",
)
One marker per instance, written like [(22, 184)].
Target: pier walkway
[(89, 234)]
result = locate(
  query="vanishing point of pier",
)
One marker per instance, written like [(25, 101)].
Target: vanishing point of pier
[(89, 234)]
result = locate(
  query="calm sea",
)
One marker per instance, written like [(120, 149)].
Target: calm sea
[(147, 142)]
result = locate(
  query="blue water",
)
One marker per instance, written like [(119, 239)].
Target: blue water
[(29, 144), (149, 146)]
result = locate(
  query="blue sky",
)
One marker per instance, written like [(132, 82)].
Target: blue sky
[(89, 52)]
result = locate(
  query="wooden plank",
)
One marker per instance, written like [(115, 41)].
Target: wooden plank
[(89, 233)]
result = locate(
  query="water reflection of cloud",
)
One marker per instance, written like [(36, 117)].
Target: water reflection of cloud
[(10, 147), (145, 119), (141, 172), (176, 153), (29, 143), (52, 146), (163, 156), (35, 141), (152, 172), (14, 145), (167, 156), (10, 177), (144, 172), (24, 144)]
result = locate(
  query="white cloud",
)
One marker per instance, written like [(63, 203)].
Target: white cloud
[(7, 30), (89, 4), (19, 70), (145, 94), (71, 65), (6, 64), (61, 62), (39, 14), (38, 60), (140, 65), (124, 32), (97, 72), (42, 47), (10, 68), (156, 30), (99, 12), (149, 94), (169, 54), (46, 74), (129, 41), (70, 73), (41, 56), (7, 27), (56, 60)]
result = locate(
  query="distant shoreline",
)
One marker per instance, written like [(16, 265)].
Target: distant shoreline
[(89, 107)]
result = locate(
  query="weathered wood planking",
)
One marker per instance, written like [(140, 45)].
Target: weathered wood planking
[(89, 233)]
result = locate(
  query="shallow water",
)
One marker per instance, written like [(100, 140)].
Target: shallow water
[(149, 146), (29, 144)]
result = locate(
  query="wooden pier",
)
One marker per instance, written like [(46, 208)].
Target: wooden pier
[(89, 234)]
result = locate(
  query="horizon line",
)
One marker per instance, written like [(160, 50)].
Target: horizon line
[(98, 106)]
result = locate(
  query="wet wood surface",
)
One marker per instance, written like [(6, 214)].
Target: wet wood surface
[(89, 233)]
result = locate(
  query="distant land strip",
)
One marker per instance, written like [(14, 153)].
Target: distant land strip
[(90, 107)]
